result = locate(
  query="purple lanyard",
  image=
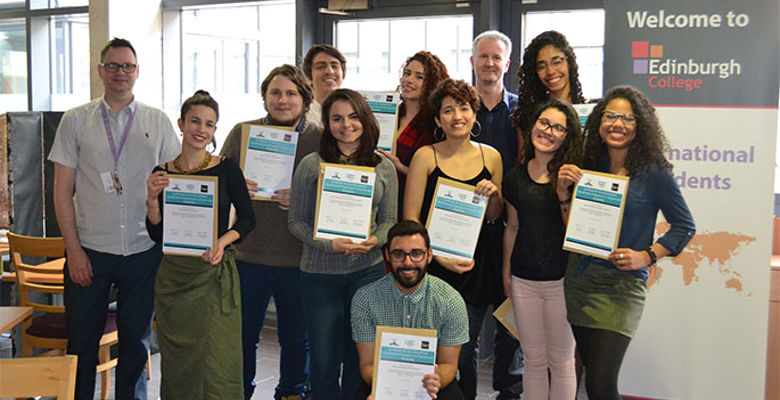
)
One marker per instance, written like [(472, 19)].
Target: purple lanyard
[(122, 142)]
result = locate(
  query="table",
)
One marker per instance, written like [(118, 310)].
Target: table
[(12, 316), (53, 265)]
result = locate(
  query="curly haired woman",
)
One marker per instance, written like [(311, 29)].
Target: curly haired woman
[(421, 73), (605, 298), (549, 71)]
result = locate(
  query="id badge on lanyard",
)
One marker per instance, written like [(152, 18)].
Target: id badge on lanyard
[(114, 151)]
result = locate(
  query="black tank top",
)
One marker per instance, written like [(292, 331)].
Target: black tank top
[(475, 286)]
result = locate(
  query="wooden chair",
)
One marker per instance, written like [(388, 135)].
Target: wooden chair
[(34, 376), (48, 330)]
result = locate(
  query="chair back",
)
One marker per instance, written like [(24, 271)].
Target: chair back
[(46, 277), (38, 376)]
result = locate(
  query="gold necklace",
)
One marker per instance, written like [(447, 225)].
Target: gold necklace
[(204, 164)]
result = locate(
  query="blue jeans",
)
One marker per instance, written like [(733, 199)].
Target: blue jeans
[(258, 284), (327, 302), (85, 314)]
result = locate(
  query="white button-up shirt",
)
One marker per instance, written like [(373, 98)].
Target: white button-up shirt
[(106, 221)]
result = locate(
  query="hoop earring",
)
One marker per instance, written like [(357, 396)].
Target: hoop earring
[(479, 129), (438, 137)]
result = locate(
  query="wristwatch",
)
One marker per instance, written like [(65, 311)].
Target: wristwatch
[(653, 257)]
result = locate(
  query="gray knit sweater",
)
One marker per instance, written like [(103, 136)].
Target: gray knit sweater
[(318, 256)]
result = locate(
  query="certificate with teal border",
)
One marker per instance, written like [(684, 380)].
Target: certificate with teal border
[(596, 214), (402, 357), (190, 214), (345, 195)]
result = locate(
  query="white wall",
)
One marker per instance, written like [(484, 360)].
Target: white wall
[(138, 21)]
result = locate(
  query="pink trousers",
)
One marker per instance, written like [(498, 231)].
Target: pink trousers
[(546, 339)]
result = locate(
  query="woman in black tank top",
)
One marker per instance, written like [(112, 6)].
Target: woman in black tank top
[(454, 104)]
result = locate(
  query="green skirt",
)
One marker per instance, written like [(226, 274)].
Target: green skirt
[(603, 298), (198, 311)]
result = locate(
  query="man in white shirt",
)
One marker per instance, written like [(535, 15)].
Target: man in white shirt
[(103, 152)]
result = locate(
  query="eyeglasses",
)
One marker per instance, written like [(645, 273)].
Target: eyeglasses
[(416, 255), (557, 62), (556, 129), (114, 67), (612, 117)]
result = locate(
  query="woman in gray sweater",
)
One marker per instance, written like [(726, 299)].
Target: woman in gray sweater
[(332, 270)]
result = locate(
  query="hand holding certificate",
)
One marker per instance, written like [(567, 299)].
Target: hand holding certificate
[(190, 214), (344, 198), (268, 157), (596, 214), (402, 357), (455, 219)]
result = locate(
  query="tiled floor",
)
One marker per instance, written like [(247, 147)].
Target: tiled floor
[(267, 369)]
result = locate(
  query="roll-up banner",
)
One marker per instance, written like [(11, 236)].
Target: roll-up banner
[(711, 69)]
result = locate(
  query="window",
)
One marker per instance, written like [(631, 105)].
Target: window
[(13, 65), (376, 49), (584, 29), (11, 4), (69, 61), (53, 72), (40, 4), (228, 50)]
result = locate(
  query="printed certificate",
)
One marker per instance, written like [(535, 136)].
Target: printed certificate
[(344, 198), (455, 219), (190, 214), (402, 356), (583, 111), (385, 108), (268, 157), (596, 214)]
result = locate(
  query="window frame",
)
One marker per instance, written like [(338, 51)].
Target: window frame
[(33, 91)]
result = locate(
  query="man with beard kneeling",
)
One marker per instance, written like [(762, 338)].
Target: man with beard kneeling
[(411, 299)]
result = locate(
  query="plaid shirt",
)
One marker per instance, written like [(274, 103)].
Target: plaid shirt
[(434, 305)]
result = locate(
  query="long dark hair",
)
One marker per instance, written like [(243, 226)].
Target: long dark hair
[(435, 73), (531, 91), (570, 151), (365, 154), (649, 143)]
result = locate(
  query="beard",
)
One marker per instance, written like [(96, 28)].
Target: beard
[(409, 283)]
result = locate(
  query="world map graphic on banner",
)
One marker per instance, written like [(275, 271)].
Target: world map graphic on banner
[(712, 250)]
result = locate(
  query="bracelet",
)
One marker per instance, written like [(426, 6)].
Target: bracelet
[(565, 202), (653, 257)]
